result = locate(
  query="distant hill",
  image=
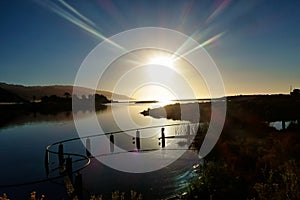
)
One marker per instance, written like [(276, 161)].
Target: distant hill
[(28, 93), (6, 96)]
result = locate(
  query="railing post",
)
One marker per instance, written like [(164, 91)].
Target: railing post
[(61, 154), (78, 186), (69, 168), (112, 143), (163, 139), (47, 162), (88, 147), (137, 140)]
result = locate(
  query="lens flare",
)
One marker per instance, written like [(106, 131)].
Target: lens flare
[(219, 10), (203, 44), (69, 13)]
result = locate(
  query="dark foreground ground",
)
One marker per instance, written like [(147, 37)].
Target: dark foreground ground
[(251, 160)]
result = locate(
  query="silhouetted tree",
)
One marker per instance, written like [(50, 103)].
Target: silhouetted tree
[(67, 95), (101, 98), (83, 98)]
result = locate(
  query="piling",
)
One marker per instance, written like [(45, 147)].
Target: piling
[(69, 167), (137, 140), (163, 138), (112, 143), (47, 162), (61, 154), (88, 147), (78, 186), (46, 157)]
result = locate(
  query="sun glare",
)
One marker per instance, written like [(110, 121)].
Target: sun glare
[(162, 60), (154, 92)]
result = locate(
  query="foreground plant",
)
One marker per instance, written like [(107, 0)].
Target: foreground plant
[(4, 197), (282, 183)]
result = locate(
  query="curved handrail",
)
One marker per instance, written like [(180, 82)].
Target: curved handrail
[(84, 157), (115, 132), (53, 178)]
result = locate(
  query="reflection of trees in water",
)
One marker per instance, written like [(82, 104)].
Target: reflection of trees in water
[(20, 118), (12, 115)]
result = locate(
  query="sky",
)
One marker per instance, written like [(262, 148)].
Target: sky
[(255, 44)]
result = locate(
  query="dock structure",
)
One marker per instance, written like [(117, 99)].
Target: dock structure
[(71, 173)]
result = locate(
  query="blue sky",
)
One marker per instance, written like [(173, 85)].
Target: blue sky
[(258, 52)]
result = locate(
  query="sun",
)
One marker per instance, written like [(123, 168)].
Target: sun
[(167, 61)]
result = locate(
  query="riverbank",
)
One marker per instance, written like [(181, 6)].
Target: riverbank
[(239, 108), (251, 159)]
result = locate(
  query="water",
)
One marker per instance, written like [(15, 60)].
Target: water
[(23, 143), (278, 125), (282, 125)]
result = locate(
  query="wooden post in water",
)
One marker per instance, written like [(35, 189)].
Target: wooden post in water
[(88, 147), (163, 139), (69, 167), (112, 143), (46, 157), (47, 162), (137, 140), (78, 186), (61, 154)]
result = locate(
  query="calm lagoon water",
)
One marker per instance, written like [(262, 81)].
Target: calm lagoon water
[(23, 144)]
